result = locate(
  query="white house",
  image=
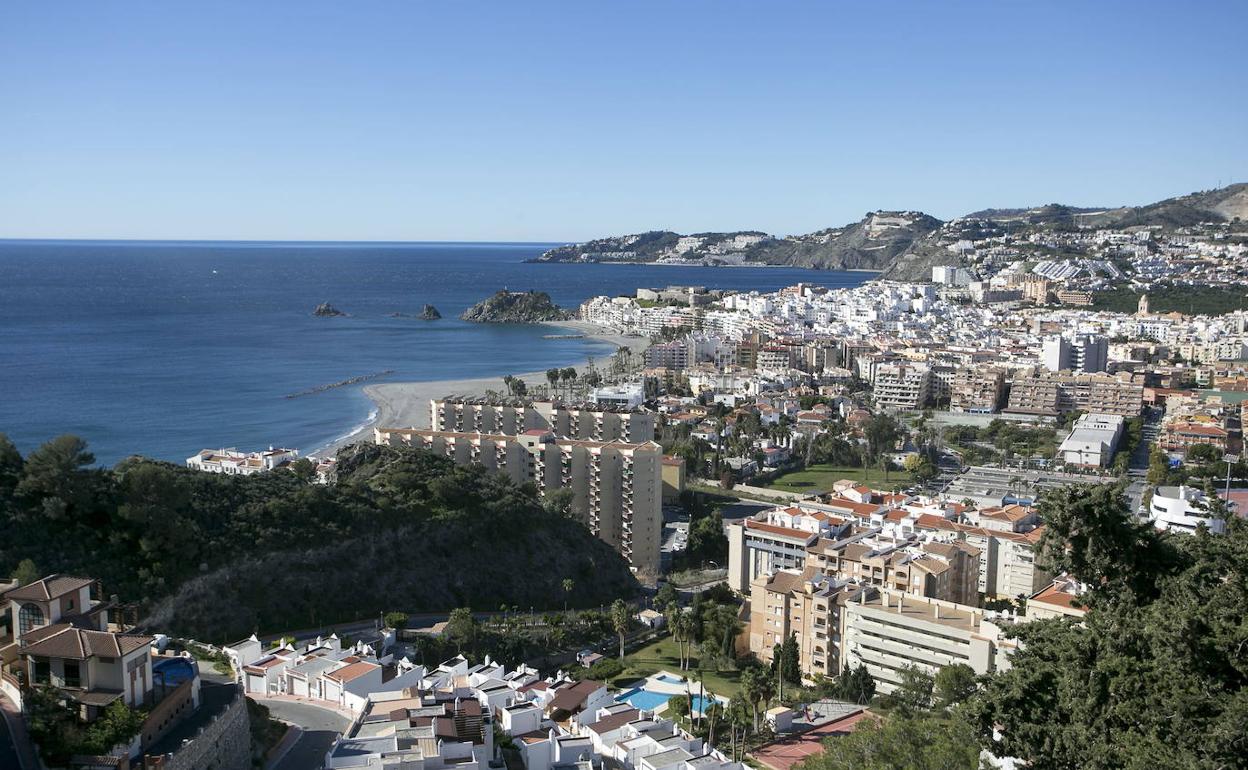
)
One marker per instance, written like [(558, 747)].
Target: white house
[(235, 463), (1181, 509)]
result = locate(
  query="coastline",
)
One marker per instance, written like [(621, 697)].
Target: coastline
[(699, 264), (406, 404)]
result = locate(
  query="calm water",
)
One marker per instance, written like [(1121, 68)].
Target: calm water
[(165, 348)]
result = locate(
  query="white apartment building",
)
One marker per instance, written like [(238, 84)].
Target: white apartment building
[(1093, 440), (1181, 509), (888, 631), (902, 386), (617, 486), (1085, 354), (235, 463), (775, 540), (601, 422)]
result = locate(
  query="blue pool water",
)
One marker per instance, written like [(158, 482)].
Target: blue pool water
[(648, 700), (173, 672)]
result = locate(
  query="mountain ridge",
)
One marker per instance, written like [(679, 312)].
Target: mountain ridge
[(899, 245)]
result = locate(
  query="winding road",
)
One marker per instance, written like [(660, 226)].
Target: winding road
[(320, 727)]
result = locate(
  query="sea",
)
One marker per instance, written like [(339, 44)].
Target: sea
[(165, 348)]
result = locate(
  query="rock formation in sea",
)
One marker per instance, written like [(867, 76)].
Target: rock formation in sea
[(326, 310), (520, 307)]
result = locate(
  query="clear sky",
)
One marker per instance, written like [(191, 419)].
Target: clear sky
[(563, 121)]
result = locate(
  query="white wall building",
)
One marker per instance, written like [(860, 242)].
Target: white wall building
[(1181, 509), (1093, 440)]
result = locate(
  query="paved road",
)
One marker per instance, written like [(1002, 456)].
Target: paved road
[(320, 728)]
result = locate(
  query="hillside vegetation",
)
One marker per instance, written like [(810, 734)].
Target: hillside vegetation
[(221, 556), (902, 245)]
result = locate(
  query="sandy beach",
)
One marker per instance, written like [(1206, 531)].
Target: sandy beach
[(406, 404)]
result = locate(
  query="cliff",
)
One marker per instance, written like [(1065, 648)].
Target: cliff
[(518, 307)]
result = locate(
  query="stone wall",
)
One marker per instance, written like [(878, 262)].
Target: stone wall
[(223, 744), (166, 715)]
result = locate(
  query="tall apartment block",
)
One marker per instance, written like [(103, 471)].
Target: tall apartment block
[(888, 631), (978, 391), (616, 485), (1085, 354), (1054, 393), (515, 416)]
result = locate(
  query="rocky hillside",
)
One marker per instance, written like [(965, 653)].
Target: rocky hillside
[(1222, 205), (870, 244), (902, 245), (874, 243), (515, 307)]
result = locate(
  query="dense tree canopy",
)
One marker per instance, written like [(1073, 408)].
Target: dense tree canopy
[(400, 531), (1155, 674)]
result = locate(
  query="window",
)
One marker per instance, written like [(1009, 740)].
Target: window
[(29, 617), (73, 676), (43, 671)]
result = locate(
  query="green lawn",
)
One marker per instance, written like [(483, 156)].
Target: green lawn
[(820, 478), (661, 655)]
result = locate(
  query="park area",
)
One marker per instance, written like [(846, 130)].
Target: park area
[(662, 655), (820, 478)]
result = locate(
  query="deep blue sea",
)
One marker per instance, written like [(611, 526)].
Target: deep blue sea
[(164, 348)]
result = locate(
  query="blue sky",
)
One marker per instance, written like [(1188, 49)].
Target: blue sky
[(563, 121)]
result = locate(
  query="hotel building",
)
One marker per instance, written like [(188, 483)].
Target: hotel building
[(616, 486), (514, 416), (888, 631)]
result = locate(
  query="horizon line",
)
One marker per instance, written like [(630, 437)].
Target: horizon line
[(275, 240)]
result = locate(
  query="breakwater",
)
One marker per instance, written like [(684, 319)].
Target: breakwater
[(341, 384)]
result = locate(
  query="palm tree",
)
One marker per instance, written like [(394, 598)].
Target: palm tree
[(687, 622), (552, 376), (738, 713), (766, 691), (714, 711), (568, 585), (751, 689), (621, 617)]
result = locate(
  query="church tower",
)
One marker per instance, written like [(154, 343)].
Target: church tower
[(1142, 309)]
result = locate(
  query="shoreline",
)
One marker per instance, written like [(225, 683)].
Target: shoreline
[(699, 264), (406, 404)]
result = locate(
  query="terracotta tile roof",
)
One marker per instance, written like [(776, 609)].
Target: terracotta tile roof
[(64, 641), (571, 697), (351, 671), (614, 721), (784, 582), (1056, 595), (1013, 512), (775, 529), (48, 588)]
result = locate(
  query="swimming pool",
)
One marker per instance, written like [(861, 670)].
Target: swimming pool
[(670, 679), (649, 700), (173, 671)]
